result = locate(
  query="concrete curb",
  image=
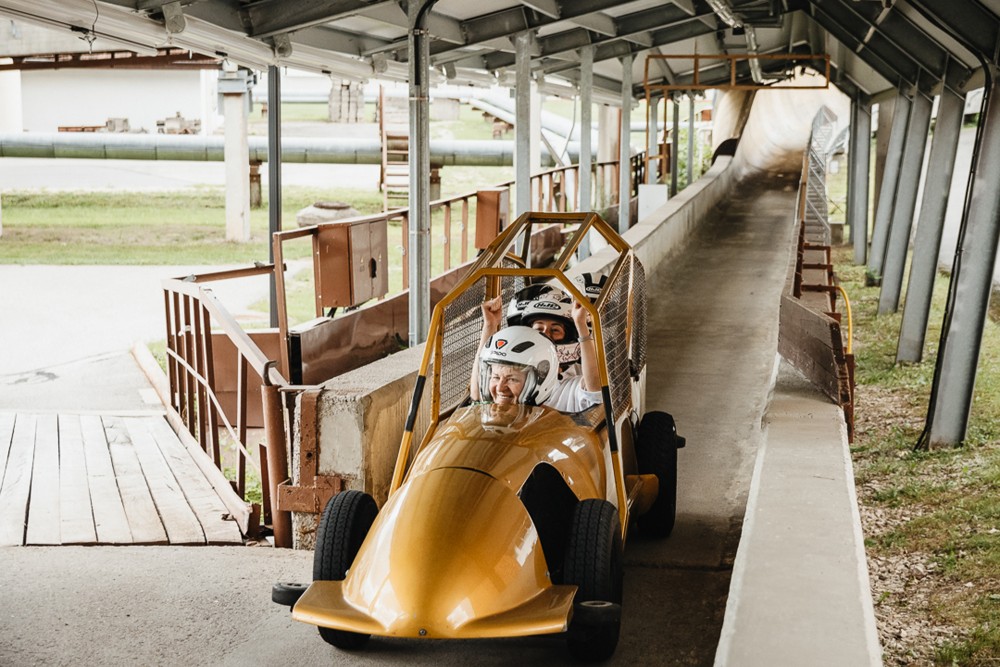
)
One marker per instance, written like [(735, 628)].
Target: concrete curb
[(800, 593)]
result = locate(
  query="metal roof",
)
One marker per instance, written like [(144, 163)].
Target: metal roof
[(876, 47)]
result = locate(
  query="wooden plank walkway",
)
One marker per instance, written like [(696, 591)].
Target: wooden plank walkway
[(89, 479)]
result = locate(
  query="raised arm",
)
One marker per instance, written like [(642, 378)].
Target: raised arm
[(588, 349), (492, 316)]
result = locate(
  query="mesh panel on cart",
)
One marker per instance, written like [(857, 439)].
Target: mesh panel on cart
[(614, 321), (463, 324), (638, 315)]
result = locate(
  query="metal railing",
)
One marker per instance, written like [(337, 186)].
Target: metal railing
[(197, 326), (813, 206), (812, 339), (192, 314)]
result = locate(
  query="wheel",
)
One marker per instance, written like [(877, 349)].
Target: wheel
[(656, 454), (342, 528), (594, 564), (287, 593)]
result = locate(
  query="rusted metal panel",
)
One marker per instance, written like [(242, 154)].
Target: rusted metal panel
[(225, 366), (492, 214)]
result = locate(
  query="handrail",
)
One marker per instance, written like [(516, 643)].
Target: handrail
[(192, 312)]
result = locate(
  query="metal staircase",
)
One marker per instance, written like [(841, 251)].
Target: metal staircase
[(816, 213)]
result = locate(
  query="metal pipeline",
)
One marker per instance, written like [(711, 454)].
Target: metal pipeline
[(109, 146)]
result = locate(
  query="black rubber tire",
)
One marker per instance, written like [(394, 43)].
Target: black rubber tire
[(346, 521), (656, 454), (594, 564), (287, 593)]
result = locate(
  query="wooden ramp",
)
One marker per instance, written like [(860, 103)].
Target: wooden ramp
[(101, 479)]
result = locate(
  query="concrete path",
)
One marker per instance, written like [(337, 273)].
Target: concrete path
[(66, 332)]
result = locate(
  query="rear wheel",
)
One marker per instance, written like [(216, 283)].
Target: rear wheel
[(342, 528), (594, 564), (656, 453)]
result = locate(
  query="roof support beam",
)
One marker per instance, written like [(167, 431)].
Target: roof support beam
[(644, 27), (978, 28), (625, 149), (972, 281), (880, 55), (586, 132), (516, 19), (894, 266), (273, 16), (858, 173), (930, 226), (522, 124), (420, 171), (273, 176), (890, 179)]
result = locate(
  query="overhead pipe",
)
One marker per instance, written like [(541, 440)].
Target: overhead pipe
[(111, 146)]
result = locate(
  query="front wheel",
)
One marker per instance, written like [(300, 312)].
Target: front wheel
[(594, 564), (343, 527), (656, 454)]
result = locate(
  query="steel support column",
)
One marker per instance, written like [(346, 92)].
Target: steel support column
[(882, 132), (625, 149), (675, 139), (586, 126), (420, 171), (273, 174), (898, 242), (522, 123), (972, 277), (887, 193), (858, 174), (930, 225), (237, 154), (690, 155), (652, 145)]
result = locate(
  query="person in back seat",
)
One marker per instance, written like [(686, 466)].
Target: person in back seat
[(519, 365)]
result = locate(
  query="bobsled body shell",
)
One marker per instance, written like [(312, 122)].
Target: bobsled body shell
[(454, 552), (510, 453)]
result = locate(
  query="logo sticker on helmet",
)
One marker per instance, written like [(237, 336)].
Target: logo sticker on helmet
[(547, 305), (501, 343)]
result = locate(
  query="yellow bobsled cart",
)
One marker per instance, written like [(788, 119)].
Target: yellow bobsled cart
[(505, 521)]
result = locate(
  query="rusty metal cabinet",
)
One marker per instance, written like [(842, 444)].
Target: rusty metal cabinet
[(350, 263)]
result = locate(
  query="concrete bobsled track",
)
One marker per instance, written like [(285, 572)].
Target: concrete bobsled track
[(713, 327)]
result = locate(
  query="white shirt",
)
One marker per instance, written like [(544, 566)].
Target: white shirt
[(570, 396)]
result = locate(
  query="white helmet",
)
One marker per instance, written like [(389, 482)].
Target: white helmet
[(556, 305), (523, 297), (591, 284), (521, 347)]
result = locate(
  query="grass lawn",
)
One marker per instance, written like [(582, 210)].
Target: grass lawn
[(931, 518), (143, 227)]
